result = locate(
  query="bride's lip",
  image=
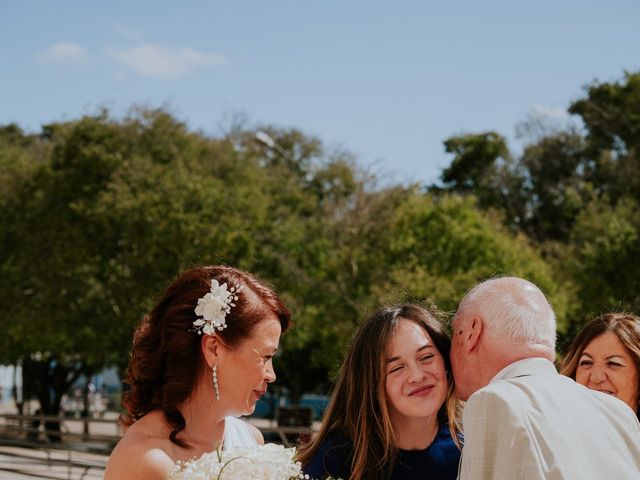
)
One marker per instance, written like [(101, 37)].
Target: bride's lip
[(422, 391)]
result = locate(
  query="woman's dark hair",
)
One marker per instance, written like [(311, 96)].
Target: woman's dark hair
[(166, 358), (626, 326), (358, 407)]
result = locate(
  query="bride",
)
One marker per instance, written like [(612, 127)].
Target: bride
[(201, 358)]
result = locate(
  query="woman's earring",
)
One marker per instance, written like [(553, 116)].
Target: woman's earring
[(215, 381)]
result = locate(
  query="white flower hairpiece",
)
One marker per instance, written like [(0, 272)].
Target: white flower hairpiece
[(214, 306)]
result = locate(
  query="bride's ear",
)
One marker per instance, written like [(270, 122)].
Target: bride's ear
[(211, 348)]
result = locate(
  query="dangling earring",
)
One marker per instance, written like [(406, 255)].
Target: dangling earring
[(215, 381)]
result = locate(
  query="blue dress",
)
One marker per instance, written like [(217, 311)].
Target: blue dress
[(439, 461)]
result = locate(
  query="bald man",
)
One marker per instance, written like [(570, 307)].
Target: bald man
[(522, 420)]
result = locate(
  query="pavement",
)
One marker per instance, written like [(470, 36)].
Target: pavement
[(18, 463), (23, 463)]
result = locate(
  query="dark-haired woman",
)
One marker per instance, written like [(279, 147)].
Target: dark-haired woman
[(605, 356), (202, 357), (391, 415)]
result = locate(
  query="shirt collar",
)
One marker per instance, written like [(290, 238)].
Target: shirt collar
[(527, 366)]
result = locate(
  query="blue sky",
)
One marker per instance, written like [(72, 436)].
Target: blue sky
[(388, 81)]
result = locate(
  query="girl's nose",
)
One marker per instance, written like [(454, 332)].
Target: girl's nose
[(416, 374)]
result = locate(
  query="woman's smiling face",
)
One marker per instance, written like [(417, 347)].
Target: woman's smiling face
[(416, 381), (247, 369), (607, 366)]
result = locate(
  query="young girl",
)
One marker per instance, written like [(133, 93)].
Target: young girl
[(391, 415)]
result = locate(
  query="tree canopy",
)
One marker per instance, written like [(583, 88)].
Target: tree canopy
[(99, 214), (574, 192)]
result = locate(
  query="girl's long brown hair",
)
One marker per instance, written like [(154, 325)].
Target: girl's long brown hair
[(166, 358), (358, 407)]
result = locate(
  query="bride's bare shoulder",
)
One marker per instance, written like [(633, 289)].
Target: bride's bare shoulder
[(143, 452)]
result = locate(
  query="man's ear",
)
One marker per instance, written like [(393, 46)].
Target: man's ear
[(211, 348), (473, 333)]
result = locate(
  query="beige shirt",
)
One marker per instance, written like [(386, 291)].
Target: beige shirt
[(532, 423)]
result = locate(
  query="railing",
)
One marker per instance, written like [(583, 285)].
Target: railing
[(83, 444), (78, 446)]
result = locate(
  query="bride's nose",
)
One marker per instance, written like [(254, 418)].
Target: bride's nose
[(270, 374)]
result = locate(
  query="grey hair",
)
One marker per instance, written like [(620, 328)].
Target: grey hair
[(513, 309)]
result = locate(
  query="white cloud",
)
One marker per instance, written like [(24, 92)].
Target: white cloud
[(63, 52), (128, 33), (166, 63)]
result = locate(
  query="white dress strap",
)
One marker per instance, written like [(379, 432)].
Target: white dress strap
[(237, 434)]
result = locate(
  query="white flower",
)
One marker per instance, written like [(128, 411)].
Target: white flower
[(214, 306), (266, 462)]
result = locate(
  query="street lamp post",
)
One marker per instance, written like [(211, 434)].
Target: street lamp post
[(265, 138)]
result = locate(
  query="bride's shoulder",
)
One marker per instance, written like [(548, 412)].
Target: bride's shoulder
[(256, 434), (252, 430), (141, 453)]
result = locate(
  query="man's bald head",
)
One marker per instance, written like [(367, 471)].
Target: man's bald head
[(497, 323), (513, 310)]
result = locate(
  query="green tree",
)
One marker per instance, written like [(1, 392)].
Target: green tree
[(444, 246), (119, 207), (605, 260), (612, 119), (99, 228), (557, 186), (483, 166)]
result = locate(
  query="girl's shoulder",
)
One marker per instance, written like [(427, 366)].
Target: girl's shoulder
[(333, 457)]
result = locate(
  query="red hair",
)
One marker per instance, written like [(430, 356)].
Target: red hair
[(166, 359)]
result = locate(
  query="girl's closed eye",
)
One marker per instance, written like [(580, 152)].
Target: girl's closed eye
[(424, 358)]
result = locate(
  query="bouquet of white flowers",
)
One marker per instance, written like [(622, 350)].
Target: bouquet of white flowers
[(267, 462)]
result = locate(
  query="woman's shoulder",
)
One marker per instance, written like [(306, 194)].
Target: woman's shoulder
[(137, 458), (150, 429), (141, 453), (444, 437), (256, 433), (332, 457), (440, 458), (444, 445), (442, 449), (237, 423), (336, 441)]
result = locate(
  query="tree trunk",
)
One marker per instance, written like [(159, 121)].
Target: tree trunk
[(85, 410), (48, 379)]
